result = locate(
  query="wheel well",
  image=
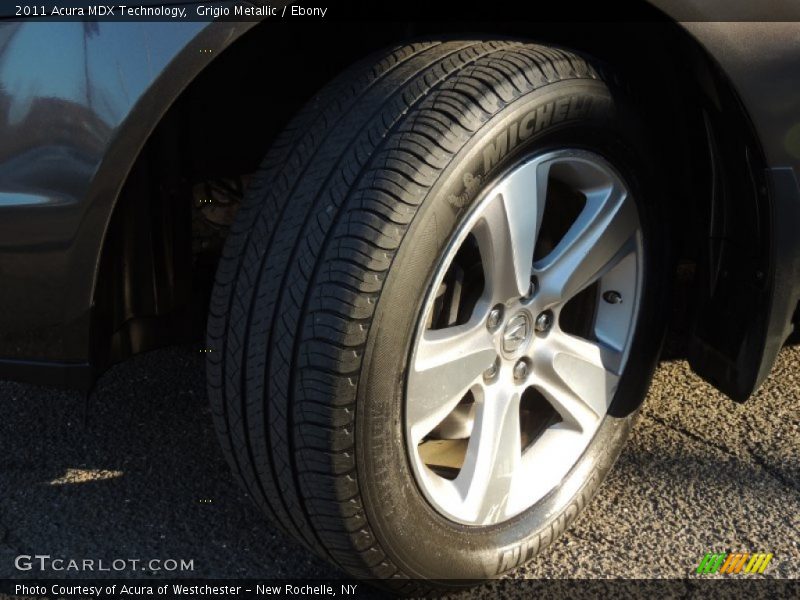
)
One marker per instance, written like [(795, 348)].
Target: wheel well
[(170, 219)]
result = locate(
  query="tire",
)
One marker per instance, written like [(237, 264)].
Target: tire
[(330, 262)]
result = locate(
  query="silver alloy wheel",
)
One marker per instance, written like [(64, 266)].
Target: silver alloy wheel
[(472, 455)]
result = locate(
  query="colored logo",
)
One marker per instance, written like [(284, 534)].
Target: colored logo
[(742, 562)]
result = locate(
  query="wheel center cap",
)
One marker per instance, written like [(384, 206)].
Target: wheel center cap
[(517, 332)]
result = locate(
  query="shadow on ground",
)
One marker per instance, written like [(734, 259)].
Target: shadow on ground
[(138, 473)]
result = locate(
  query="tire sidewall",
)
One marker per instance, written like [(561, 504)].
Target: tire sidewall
[(569, 114)]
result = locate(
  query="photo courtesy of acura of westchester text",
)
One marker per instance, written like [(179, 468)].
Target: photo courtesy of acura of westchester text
[(353, 299)]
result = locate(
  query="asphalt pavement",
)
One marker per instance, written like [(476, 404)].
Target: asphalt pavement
[(137, 473)]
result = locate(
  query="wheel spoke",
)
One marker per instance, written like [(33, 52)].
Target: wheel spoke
[(601, 236), (577, 376), (508, 230), (593, 354), (447, 363), (493, 457)]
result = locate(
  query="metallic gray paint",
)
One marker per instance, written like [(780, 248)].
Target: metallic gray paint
[(76, 106), (761, 58)]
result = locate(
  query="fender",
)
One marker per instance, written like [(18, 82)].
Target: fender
[(74, 114), (79, 110), (750, 274)]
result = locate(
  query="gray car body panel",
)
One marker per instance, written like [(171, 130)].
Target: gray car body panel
[(757, 46), (75, 112)]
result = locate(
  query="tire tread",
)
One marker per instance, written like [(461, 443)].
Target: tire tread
[(305, 262)]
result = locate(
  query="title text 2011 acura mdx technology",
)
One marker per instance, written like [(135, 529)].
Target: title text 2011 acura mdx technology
[(436, 266)]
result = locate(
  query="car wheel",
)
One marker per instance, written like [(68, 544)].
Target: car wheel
[(439, 308)]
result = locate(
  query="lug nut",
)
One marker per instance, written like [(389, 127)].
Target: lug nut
[(521, 370), (495, 317), (544, 321), (490, 374), (612, 297)]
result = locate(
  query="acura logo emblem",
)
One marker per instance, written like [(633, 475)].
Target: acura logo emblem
[(517, 332)]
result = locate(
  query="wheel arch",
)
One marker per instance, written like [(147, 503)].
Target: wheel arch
[(669, 70)]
